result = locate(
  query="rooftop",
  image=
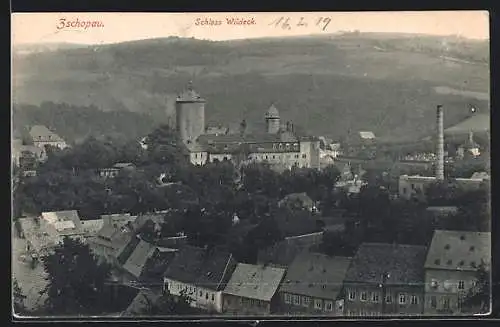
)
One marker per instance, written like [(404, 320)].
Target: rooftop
[(142, 303), (40, 132), (137, 260), (201, 267), (458, 250), (404, 263), (189, 95), (316, 275), (280, 254), (254, 281), (65, 222)]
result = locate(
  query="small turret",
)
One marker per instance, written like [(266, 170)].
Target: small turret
[(272, 120)]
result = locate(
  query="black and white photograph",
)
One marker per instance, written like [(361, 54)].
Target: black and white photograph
[(251, 165)]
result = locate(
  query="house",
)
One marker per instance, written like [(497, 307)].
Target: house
[(252, 290), (113, 171), (111, 242), (118, 220), (417, 185), (66, 223), (91, 227), (297, 201), (385, 279), (42, 136), (313, 285), (451, 268), (201, 274)]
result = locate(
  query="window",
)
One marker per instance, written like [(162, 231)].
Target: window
[(228, 301), (213, 297), (274, 157), (266, 157), (437, 262), (304, 156), (206, 296), (296, 156), (446, 302), (434, 283), (433, 302), (375, 297), (201, 293), (388, 298), (352, 295), (296, 300), (318, 304), (196, 155), (363, 296), (412, 186), (288, 298), (461, 284), (402, 298), (305, 301), (404, 190), (414, 299), (328, 305), (471, 248)]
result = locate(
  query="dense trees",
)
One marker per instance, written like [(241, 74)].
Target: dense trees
[(76, 281), (18, 298), (478, 297)]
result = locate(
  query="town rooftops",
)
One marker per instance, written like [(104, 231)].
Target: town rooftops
[(121, 165), (201, 267), (254, 281), (92, 227), (316, 275), (404, 263), (65, 222), (458, 250), (42, 133)]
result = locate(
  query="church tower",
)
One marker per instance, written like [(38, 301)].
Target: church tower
[(190, 115), (272, 120)]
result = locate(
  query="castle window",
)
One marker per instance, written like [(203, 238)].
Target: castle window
[(461, 284), (281, 146), (318, 304), (274, 157), (304, 156), (296, 156), (288, 298), (352, 295), (402, 298), (414, 299), (364, 297)]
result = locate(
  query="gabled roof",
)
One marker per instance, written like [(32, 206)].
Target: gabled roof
[(316, 275), (197, 266), (254, 281), (458, 250), (404, 263), (137, 260)]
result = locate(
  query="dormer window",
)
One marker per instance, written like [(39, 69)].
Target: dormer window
[(449, 262), (473, 264), (437, 262), (462, 237), (472, 248), (461, 263), (447, 247)]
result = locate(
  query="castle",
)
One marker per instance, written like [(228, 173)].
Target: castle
[(280, 146)]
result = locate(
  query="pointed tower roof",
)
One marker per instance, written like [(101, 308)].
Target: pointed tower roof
[(189, 95), (272, 112)]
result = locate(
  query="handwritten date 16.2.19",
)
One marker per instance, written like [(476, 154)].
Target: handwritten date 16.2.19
[(287, 23)]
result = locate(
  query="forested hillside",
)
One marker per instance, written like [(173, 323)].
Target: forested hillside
[(389, 84)]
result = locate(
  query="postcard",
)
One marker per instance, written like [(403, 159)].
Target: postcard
[(251, 165)]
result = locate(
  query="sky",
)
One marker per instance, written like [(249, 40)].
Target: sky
[(120, 27)]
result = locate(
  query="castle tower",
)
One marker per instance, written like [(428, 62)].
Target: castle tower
[(190, 115), (272, 120)]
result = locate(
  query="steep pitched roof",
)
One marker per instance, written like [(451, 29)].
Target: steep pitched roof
[(458, 250), (200, 267), (316, 275), (138, 258), (254, 281), (404, 263)]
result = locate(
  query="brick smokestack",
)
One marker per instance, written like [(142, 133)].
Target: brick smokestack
[(440, 144)]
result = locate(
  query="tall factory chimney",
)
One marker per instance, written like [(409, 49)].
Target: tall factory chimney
[(440, 144)]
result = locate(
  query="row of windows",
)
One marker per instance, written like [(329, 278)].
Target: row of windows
[(305, 301), (461, 283), (375, 297), (444, 301), (190, 290), (251, 302)]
